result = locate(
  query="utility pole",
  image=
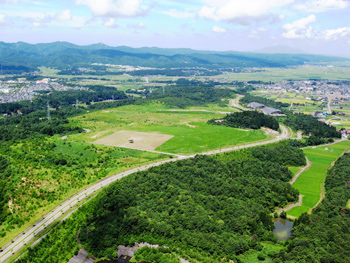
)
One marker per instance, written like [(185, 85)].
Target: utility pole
[(48, 111), (76, 104)]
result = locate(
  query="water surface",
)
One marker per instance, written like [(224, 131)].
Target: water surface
[(283, 228)]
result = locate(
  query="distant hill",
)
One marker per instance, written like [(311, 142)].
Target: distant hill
[(22, 56), (279, 49)]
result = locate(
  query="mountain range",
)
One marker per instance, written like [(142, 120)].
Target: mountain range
[(22, 56)]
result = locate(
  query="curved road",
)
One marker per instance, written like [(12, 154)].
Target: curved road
[(55, 215)]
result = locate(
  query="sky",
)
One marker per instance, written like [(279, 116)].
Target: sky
[(313, 26)]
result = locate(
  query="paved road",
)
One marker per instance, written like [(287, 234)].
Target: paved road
[(56, 214)]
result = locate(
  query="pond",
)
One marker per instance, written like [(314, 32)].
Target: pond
[(283, 228)]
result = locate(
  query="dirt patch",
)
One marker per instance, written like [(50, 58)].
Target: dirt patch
[(269, 131), (190, 125), (10, 205), (98, 135), (135, 140)]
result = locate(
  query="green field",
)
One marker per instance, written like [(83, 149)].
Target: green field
[(310, 183), (189, 127), (294, 170), (294, 73)]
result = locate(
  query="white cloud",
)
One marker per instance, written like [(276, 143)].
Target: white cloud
[(2, 18), (176, 14), (140, 25), (323, 5), (64, 15), (110, 23), (115, 8), (218, 29), (60, 19), (234, 10), (10, 1), (257, 33), (338, 33), (78, 21), (36, 24), (300, 28)]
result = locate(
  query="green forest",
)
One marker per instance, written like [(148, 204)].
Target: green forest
[(324, 235), (40, 171), (309, 125), (247, 119), (203, 208)]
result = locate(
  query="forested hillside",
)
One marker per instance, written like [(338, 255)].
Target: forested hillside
[(209, 209), (37, 172), (23, 57), (324, 235)]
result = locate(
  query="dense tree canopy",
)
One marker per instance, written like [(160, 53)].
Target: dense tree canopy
[(212, 207), (324, 235), (247, 119)]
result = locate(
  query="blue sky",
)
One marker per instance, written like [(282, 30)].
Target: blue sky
[(314, 26)]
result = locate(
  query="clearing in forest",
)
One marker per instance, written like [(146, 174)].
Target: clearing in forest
[(188, 129), (311, 182), (136, 140)]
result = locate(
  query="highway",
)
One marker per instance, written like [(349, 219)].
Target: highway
[(55, 215)]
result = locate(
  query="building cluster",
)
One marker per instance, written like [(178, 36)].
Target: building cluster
[(345, 133), (27, 90), (317, 89)]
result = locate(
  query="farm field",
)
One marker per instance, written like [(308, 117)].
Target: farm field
[(301, 104), (189, 128), (294, 73), (310, 183), (344, 124)]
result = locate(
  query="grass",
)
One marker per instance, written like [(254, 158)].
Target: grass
[(294, 170), (189, 127), (310, 182), (269, 248)]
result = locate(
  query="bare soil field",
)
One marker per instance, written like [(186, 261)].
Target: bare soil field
[(136, 140)]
